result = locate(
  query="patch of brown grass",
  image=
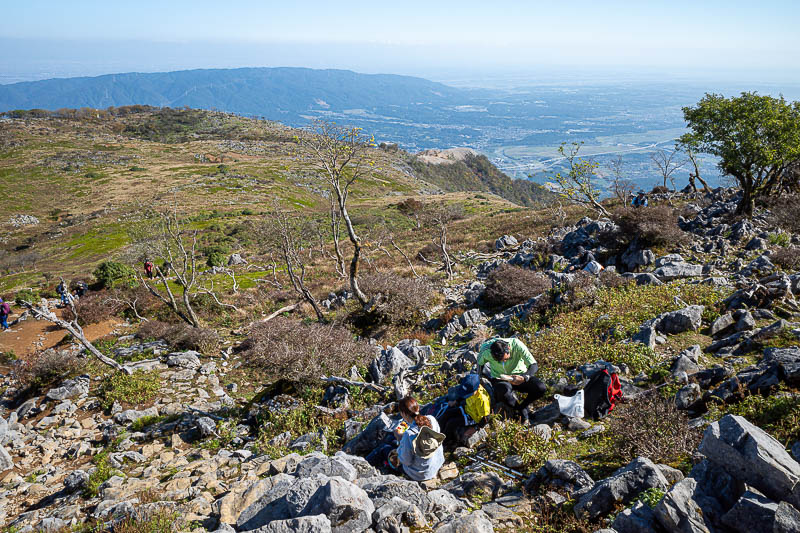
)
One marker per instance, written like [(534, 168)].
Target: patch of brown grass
[(510, 285)]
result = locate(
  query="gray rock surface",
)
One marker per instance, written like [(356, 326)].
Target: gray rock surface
[(678, 512), (753, 512), (305, 524), (475, 522), (346, 505), (388, 364), (621, 487), (749, 454)]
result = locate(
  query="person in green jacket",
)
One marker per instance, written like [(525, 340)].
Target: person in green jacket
[(510, 367)]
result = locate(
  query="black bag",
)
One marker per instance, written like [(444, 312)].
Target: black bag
[(601, 394)]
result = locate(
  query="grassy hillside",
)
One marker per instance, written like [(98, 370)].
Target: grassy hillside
[(83, 175)]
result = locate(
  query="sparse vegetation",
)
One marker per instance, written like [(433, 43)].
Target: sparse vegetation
[(651, 426), (294, 350), (181, 336), (653, 226), (136, 389), (510, 285), (47, 368)]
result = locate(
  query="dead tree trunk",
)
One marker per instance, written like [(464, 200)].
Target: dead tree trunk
[(76, 331)]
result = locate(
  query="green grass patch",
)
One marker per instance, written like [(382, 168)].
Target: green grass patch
[(596, 331), (135, 389), (99, 241)]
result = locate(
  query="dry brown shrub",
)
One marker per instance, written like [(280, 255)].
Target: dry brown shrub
[(44, 369), (651, 426), (785, 212), (95, 307), (787, 258), (611, 279), (653, 226), (302, 352), (181, 336), (509, 285), (398, 300), (450, 313)]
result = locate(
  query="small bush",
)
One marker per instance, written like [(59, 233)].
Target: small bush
[(787, 258), (653, 427), (785, 212), (95, 307), (399, 300), (652, 226), (297, 351), (160, 521), (508, 285), (111, 273), (48, 368), (507, 437), (181, 336), (659, 189), (135, 389)]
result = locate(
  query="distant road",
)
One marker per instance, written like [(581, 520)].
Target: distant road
[(545, 163)]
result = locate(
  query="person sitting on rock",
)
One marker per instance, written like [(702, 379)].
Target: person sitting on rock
[(510, 367), (419, 451)]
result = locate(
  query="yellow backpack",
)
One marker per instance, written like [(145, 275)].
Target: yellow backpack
[(479, 404)]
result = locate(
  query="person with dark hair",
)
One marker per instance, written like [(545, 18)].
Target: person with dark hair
[(419, 451), (510, 367), (148, 269), (5, 310)]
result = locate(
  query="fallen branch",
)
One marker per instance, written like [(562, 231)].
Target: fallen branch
[(284, 309), (410, 264), (76, 331), (351, 383), (211, 293)]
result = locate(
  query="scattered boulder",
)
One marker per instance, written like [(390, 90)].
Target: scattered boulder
[(506, 241), (621, 487), (749, 454)]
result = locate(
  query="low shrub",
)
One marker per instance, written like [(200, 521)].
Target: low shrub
[(134, 389), (111, 273), (96, 307), (181, 336), (785, 212), (398, 300), (48, 368), (659, 189), (507, 437), (509, 285), (787, 258), (653, 427), (652, 226), (302, 352)]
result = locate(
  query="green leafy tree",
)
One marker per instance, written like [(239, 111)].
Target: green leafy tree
[(756, 138), (577, 184)]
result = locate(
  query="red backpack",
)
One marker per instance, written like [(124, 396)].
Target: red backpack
[(601, 394)]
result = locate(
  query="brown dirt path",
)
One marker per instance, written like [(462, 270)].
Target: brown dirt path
[(32, 335)]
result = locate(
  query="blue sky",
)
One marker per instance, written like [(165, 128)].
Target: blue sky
[(44, 38)]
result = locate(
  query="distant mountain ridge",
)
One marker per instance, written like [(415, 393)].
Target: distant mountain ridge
[(275, 93)]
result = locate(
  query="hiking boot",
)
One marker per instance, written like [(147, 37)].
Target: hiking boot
[(524, 416)]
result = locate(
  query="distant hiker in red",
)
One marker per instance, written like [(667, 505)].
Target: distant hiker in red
[(148, 269), (5, 310)]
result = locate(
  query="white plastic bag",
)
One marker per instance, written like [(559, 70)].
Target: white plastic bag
[(571, 405)]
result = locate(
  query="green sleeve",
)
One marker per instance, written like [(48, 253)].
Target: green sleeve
[(482, 357), (523, 352)]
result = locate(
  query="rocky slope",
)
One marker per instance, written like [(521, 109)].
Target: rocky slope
[(192, 455)]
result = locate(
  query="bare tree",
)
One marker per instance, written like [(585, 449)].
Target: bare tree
[(339, 154), (290, 235), (74, 329), (622, 187), (438, 217), (692, 155), (162, 238), (667, 164), (336, 227), (578, 183)]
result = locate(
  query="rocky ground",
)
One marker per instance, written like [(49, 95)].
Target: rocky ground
[(191, 455)]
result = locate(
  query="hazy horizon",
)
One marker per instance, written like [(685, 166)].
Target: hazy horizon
[(465, 43)]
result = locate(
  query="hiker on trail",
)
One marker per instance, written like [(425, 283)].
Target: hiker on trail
[(419, 451), (81, 288), (5, 310), (148, 269), (640, 200), (63, 292), (511, 368), (468, 404)]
